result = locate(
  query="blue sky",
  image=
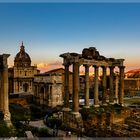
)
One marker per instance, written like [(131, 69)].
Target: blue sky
[(49, 29)]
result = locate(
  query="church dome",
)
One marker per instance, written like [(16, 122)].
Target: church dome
[(22, 59)]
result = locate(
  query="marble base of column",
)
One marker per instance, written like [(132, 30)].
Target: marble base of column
[(7, 118), (105, 104), (116, 100), (77, 114), (8, 123), (86, 106), (111, 103), (122, 105), (66, 109), (96, 105)]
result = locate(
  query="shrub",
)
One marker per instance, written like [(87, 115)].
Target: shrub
[(6, 131)]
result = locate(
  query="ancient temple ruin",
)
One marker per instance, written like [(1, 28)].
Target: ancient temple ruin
[(90, 57), (4, 100)]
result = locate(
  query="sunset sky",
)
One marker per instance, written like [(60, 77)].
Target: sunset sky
[(50, 29)]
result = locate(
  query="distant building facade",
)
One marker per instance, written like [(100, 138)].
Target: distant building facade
[(132, 83), (21, 76), (48, 89)]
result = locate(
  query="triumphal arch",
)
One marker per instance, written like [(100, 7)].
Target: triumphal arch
[(90, 57), (4, 99)]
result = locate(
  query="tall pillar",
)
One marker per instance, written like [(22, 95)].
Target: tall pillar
[(1, 89), (14, 85), (121, 91), (116, 88), (38, 98), (111, 94), (44, 95), (104, 86), (86, 86), (7, 115), (66, 88), (96, 100), (75, 87), (49, 93)]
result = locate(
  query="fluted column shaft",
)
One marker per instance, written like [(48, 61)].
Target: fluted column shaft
[(49, 92), (7, 115), (104, 86), (76, 87), (66, 87), (96, 100), (111, 94), (86, 86), (116, 88), (121, 91), (1, 90)]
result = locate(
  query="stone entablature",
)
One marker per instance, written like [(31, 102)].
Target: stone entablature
[(48, 78), (70, 58)]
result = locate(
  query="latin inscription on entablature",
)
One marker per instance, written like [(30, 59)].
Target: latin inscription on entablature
[(117, 64), (94, 62)]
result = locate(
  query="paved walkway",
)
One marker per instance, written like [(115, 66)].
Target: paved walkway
[(40, 124)]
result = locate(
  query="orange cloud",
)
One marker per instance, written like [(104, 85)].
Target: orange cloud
[(46, 67)]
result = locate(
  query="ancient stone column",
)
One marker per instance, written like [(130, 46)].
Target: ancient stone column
[(49, 93), (14, 86), (44, 96), (86, 86), (111, 94), (7, 115), (1, 88), (96, 100), (121, 89), (37, 91), (104, 86), (66, 88), (76, 87), (116, 88)]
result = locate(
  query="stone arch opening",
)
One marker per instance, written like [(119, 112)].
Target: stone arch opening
[(42, 90), (25, 87)]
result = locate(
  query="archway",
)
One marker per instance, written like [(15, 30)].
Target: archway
[(25, 87)]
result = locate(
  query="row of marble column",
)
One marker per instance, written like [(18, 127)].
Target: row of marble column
[(4, 99), (112, 94)]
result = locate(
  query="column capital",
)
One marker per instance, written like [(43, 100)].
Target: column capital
[(76, 64), (121, 67), (95, 66), (103, 66), (66, 64), (111, 67), (86, 65)]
